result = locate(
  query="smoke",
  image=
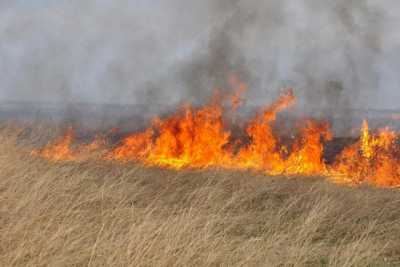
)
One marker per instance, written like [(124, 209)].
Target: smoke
[(336, 54)]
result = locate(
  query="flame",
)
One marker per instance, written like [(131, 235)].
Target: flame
[(64, 149), (373, 159), (60, 150), (307, 155), (239, 88), (200, 137), (191, 138), (197, 138), (263, 152)]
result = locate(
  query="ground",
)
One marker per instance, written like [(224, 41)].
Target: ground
[(95, 213)]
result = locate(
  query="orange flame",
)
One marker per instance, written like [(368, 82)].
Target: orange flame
[(263, 152), (373, 159), (192, 138), (238, 88), (64, 149), (60, 150), (200, 138), (307, 155)]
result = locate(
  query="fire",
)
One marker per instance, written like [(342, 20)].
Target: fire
[(60, 150), (307, 155), (197, 138), (191, 138), (201, 137), (374, 159), (239, 88), (263, 152), (64, 149)]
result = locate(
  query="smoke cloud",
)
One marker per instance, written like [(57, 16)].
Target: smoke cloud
[(336, 54)]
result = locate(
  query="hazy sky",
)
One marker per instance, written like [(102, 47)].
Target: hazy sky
[(135, 51)]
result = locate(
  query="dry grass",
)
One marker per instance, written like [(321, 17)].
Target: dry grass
[(97, 214)]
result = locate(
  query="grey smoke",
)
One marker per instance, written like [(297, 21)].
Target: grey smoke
[(339, 53)]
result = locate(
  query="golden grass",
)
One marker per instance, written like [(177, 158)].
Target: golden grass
[(98, 214)]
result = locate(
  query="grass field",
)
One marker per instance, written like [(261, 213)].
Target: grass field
[(102, 214)]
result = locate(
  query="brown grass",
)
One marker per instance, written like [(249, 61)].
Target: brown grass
[(97, 214)]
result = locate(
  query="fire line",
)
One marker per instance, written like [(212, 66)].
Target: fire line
[(198, 138)]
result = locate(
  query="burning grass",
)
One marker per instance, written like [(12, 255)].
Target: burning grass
[(201, 138), (190, 191), (94, 212)]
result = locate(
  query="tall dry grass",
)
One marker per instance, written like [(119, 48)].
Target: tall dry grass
[(98, 214)]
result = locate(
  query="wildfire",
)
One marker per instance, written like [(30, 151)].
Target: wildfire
[(374, 159), (199, 137), (60, 150), (65, 149)]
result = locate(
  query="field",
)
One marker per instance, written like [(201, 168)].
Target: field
[(94, 213)]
